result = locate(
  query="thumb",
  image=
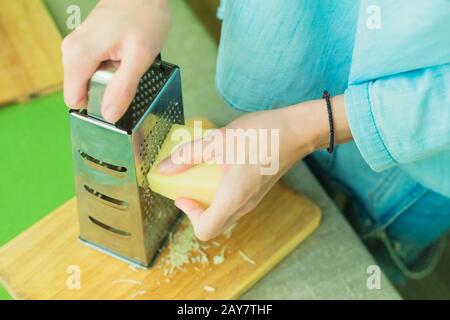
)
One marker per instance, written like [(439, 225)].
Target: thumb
[(122, 88)]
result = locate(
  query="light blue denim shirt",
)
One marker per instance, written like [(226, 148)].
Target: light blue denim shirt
[(395, 73)]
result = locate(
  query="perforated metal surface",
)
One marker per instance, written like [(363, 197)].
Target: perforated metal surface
[(159, 212), (149, 87), (155, 137)]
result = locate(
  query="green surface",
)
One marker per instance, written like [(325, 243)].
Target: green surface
[(4, 295), (36, 163)]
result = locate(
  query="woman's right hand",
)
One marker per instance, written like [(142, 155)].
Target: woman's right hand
[(128, 33)]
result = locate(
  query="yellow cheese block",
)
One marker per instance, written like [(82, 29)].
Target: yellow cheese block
[(198, 183)]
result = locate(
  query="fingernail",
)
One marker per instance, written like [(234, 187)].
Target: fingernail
[(195, 208), (188, 207), (166, 166), (111, 113)]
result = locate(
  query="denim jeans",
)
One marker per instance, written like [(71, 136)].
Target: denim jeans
[(388, 205)]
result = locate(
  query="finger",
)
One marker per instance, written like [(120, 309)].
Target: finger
[(192, 153), (78, 70), (229, 204), (191, 208), (209, 223), (120, 91), (206, 222), (204, 229), (229, 226), (225, 207)]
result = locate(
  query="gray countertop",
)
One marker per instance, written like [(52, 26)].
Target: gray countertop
[(332, 263)]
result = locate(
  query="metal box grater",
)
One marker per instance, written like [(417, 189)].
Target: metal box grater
[(118, 213)]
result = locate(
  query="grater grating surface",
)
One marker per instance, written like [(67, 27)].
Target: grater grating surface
[(157, 209)]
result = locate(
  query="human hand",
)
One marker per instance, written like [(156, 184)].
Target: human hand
[(130, 34), (301, 129)]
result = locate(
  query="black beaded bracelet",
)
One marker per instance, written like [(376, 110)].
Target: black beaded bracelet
[(327, 98)]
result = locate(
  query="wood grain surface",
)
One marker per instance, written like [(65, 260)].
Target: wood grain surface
[(30, 55), (41, 262)]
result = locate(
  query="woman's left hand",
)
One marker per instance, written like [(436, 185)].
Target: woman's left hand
[(283, 136)]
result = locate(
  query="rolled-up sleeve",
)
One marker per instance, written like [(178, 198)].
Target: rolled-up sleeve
[(401, 118)]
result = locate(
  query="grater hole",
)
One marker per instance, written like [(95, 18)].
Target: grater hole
[(171, 114), (149, 86), (116, 203), (109, 228), (98, 164)]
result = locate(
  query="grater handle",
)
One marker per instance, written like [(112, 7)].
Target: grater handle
[(97, 87)]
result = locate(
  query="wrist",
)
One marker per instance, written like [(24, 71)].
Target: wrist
[(309, 123)]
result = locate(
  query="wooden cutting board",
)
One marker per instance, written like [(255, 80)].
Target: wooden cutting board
[(44, 261), (30, 54)]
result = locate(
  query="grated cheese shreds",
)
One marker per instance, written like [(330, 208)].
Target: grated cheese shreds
[(135, 268), (220, 258), (246, 257), (184, 248), (131, 267), (129, 281), (215, 243), (209, 289), (139, 293), (227, 233)]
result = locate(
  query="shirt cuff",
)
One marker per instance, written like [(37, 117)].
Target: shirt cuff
[(365, 130)]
